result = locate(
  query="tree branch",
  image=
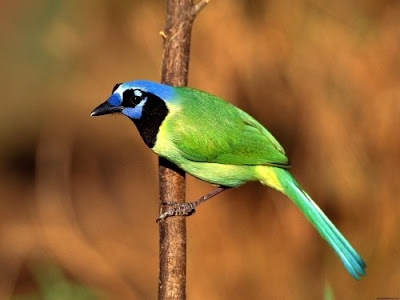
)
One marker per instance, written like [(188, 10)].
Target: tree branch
[(175, 66)]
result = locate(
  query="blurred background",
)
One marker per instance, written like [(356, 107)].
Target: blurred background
[(79, 195)]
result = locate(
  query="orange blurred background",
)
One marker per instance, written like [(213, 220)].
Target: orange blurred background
[(80, 194)]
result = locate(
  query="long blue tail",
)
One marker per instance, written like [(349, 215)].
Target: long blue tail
[(349, 257)]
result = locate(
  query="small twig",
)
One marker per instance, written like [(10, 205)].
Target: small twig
[(196, 8), (162, 33)]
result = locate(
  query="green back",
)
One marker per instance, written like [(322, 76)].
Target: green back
[(206, 128)]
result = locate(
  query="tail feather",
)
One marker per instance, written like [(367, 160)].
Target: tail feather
[(349, 257)]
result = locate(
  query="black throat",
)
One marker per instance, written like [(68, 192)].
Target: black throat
[(153, 114)]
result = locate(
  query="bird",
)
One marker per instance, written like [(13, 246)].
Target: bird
[(219, 143)]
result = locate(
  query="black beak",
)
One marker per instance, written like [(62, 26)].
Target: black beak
[(104, 109)]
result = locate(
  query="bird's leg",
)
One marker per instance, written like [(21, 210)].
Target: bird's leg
[(188, 208)]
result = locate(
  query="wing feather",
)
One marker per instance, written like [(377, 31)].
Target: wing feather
[(209, 129)]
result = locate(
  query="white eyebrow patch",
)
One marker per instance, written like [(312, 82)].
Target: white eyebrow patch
[(138, 93)]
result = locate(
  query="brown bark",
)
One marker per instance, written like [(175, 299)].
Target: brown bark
[(177, 34)]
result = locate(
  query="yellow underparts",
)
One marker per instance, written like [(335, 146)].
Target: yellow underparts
[(268, 176), (228, 175)]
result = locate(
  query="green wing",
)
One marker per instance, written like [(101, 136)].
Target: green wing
[(206, 128)]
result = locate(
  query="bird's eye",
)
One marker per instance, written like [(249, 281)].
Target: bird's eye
[(132, 97), (115, 87)]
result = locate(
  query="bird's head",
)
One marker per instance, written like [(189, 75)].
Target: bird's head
[(144, 102), (135, 98)]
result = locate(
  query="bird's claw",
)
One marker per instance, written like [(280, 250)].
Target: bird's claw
[(177, 209)]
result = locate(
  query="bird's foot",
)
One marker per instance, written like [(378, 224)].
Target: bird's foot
[(187, 208), (177, 209)]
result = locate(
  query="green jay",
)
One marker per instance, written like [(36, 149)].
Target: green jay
[(219, 143)]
